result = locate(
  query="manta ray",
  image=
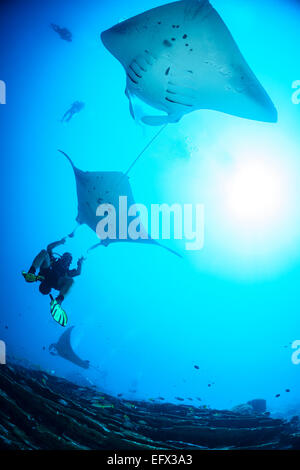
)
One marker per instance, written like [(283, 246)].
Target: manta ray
[(64, 349), (180, 58), (105, 187)]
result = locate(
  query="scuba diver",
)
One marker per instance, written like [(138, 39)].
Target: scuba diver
[(76, 107), (54, 273), (64, 33)]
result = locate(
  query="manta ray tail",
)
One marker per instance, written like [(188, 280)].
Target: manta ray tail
[(146, 147)]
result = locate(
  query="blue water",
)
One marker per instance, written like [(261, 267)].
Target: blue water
[(143, 316)]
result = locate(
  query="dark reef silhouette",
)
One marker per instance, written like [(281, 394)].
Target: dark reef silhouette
[(40, 411)]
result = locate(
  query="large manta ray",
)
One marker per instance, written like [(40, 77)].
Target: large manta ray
[(105, 187), (181, 57)]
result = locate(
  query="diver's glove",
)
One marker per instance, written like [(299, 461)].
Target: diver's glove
[(31, 277), (57, 312), (80, 261)]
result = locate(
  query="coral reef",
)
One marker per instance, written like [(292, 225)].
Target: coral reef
[(40, 411)]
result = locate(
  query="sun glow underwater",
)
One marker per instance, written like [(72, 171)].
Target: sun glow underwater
[(252, 199)]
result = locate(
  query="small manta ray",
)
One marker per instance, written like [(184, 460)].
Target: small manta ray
[(64, 349), (180, 58), (64, 33)]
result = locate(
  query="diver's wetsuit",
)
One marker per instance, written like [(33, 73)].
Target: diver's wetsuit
[(56, 274)]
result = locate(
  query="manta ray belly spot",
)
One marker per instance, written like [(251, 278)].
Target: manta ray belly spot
[(167, 43)]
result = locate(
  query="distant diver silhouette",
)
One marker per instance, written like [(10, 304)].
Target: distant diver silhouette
[(64, 33), (75, 108)]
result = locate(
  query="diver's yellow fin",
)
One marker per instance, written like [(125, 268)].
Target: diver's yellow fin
[(30, 277), (57, 312)]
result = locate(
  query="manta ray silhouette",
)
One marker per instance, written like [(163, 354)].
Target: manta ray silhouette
[(64, 349), (181, 57), (103, 187)]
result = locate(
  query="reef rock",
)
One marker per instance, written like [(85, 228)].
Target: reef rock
[(40, 411)]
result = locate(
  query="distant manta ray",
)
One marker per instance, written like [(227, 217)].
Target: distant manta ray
[(181, 57), (64, 349)]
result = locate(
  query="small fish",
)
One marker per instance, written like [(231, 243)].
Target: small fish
[(179, 398), (160, 398), (190, 399), (129, 405), (98, 405), (199, 399), (209, 385), (278, 395), (287, 390), (197, 367), (120, 394), (62, 402)]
